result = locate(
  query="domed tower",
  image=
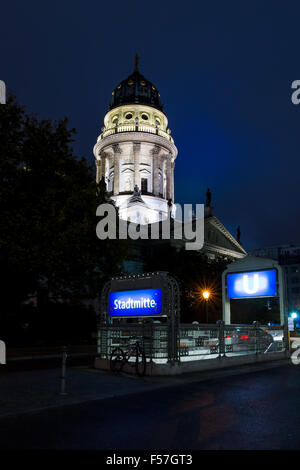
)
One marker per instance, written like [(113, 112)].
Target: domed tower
[(135, 152)]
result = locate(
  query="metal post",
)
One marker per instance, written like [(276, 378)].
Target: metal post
[(256, 326), (286, 337), (220, 324), (63, 371), (98, 341)]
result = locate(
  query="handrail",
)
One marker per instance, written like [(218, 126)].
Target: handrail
[(148, 128)]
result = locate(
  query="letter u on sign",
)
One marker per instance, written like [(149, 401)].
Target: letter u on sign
[(247, 281), (252, 284)]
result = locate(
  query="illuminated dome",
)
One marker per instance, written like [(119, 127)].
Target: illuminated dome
[(136, 89)]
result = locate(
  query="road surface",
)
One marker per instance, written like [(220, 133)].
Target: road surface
[(256, 410)]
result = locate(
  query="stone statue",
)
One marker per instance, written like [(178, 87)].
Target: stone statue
[(208, 197), (101, 190), (136, 197), (136, 191)]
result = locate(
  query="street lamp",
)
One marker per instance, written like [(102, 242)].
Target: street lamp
[(206, 295), (294, 315)]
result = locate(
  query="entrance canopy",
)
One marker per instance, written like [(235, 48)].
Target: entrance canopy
[(253, 277)]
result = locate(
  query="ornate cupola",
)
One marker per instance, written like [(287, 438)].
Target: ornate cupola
[(136, 89), (135, 152)]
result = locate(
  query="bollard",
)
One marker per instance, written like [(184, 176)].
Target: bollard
[(256, 325), (63, 371)]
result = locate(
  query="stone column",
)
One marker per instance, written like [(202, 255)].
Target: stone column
[(172, 180), (104, 169), (117, 151), (169, 178), (155, 165), (155, 179), (98, 170), (136, 153)]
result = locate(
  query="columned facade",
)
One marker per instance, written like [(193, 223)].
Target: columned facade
[(135, 155), (135, 152)]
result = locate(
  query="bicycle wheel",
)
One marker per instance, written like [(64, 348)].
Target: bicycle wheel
[(117, 360), (140, 362)]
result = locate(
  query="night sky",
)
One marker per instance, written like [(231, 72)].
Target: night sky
[(224, 71)]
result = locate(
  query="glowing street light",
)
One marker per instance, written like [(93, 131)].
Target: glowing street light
[(294, 315), (206, 294)]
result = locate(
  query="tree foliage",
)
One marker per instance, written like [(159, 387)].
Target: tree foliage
[(48, 201), (195, 273)]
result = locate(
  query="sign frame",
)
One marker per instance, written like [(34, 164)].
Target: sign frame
[(247, 264), (249, 271)]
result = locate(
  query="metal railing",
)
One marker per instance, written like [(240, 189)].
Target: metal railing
[(198, 342), (136, 128), (191, 342)]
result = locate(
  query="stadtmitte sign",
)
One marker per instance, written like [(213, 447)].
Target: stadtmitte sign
[(141, 302)]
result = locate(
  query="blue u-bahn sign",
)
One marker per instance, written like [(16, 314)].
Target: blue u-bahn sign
[(252, 284), (135, 303)]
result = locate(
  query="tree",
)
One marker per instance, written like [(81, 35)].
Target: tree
[(195, 273), (48, 201)]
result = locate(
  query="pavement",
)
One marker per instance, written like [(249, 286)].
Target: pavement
[(36, 390), (241, 409)]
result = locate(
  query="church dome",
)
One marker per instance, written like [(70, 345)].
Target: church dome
[(136, 89)]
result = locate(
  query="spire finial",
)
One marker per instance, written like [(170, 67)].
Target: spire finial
[(136, 62), (208, 197)]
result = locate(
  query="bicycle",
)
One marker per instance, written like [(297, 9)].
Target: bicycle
[(119, 358)]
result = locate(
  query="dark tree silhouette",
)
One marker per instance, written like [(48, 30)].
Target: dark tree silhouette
[(48, 199)]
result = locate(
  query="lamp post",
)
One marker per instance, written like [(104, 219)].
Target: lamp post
[(206, 295)]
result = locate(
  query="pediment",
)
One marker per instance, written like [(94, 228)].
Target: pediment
[(216, 235)]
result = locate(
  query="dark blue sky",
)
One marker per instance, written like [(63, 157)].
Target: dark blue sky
[(224, 71)]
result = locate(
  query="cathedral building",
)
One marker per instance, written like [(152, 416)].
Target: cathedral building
[(136, 153), (135, 156)]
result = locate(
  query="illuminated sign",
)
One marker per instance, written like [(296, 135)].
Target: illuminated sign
[(135, 303), (252, 284)]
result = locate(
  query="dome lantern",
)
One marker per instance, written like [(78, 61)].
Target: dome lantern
[(136, 89)]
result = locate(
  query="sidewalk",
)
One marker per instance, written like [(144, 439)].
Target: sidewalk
[(31, 391)]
